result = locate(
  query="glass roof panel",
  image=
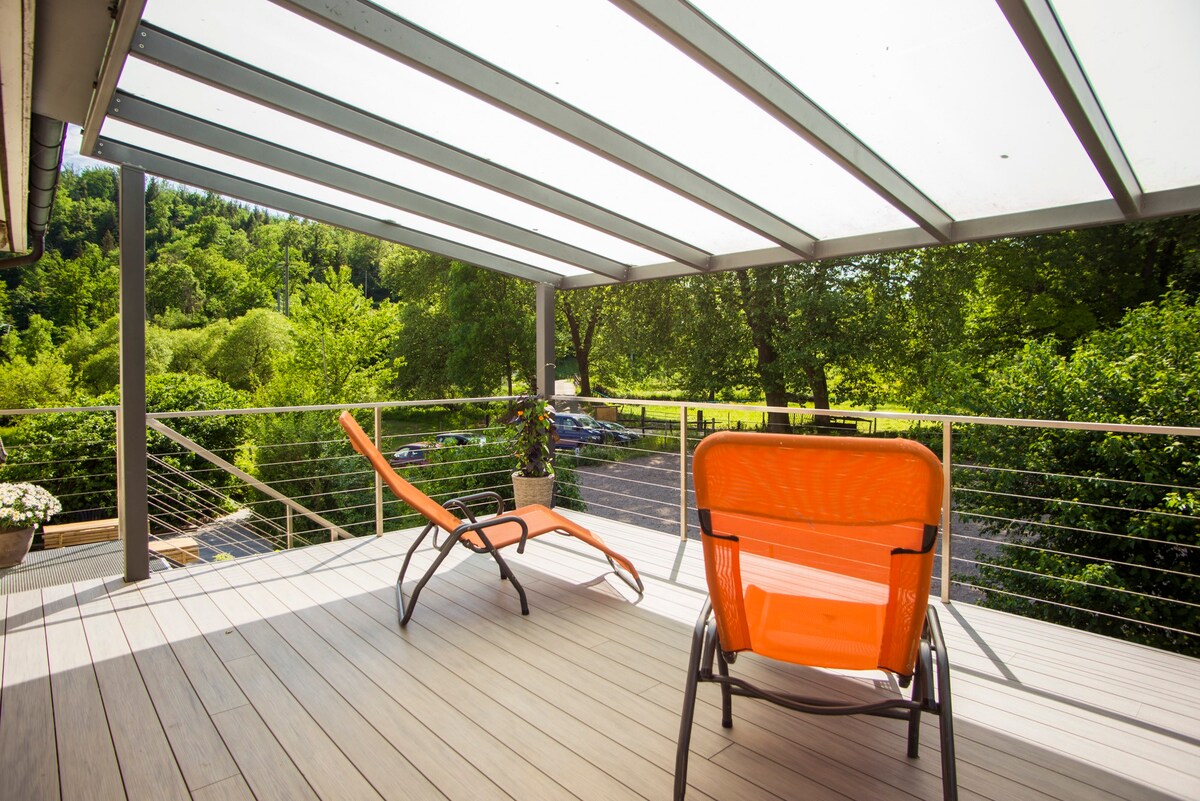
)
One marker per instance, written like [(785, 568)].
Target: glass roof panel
[(940, 89), (222, 108), (183, 151), (593, 56), (1143, 61), (273, 39)]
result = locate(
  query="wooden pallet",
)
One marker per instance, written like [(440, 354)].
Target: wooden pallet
[(61, 535), (180, 550)]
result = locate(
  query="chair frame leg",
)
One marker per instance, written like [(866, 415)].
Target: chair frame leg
[(944, 707), (406, 610), (699, 638), (506, 573)]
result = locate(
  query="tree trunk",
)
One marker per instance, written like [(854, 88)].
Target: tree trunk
[(820, 385), (583, 330), (763, 307), (585, 374)]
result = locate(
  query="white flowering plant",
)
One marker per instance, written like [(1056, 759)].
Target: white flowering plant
[(25, 505)]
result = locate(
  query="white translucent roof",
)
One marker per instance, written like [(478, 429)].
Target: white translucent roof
[(589, 142)]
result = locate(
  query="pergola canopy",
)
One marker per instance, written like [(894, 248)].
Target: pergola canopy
[(590, 142)]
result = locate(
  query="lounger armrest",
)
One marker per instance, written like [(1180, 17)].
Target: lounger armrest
[(463, 504), (479, 526)]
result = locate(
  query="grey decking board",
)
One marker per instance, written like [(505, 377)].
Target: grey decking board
[(148, 767), (527, 554), (314, 680), (226, 642), (199, 750), (678, 670), (90, 768), (552, 757), (266, 767), (1054, 734), (389, 716), (344, 744), (232, 789), (27, 745), (215, 687), (318, 758), (740, 788)]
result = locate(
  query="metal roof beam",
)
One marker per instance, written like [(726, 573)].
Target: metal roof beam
[(1040, 33), (1167, 203), (267, 154), (211, 68), (268, 197), (126, 18), (403, 41), (710, 46)]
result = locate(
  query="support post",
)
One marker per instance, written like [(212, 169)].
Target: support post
[(378, 478), (683, 505), (544, 371), (947, 451), (132, 485)]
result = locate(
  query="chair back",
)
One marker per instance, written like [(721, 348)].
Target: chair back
[(849, 521), (433, 511)]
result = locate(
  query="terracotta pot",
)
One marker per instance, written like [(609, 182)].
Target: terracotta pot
[(528, 491), (14, 545)]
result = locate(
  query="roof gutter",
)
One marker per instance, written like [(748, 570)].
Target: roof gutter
[(47, 139)]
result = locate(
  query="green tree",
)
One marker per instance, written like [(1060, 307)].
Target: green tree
[(248, 353), (340, 345), (1104, 522), (584, 312), (492, 329), (74, 455), (46, 381)]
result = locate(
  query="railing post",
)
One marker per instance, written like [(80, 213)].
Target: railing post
[(947, 452), (378, 478), (288, 509), (683, 507)]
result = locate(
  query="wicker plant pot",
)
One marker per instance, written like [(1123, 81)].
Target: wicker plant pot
[(528, 491), (14, 545)]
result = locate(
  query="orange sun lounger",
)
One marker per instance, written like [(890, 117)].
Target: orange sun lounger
[(818, 551), (488, 535)]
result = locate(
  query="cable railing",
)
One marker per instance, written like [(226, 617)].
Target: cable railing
[(1033, 527)]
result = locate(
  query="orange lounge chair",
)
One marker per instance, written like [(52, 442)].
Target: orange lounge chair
[(489, 535), (818, 551)]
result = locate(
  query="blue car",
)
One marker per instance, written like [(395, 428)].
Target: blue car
[(576, 430)]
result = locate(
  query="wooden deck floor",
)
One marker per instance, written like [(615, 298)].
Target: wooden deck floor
[(285, 677)]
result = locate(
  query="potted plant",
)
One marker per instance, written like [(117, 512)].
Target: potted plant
[(532, 433), (22, 507)]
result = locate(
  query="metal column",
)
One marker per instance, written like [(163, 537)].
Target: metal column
[(132, 507), (544, 371)]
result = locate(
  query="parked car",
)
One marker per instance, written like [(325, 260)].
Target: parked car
[(414, 453), (619, 433), (454, 439), (576, 430)]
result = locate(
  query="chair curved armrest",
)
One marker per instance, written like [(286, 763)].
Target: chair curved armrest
[(463, 503), (480, 525)]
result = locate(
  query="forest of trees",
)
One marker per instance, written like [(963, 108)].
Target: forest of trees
[(1098, 324)]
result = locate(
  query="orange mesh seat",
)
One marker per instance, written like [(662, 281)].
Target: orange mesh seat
[(819, 551), (488, 535)]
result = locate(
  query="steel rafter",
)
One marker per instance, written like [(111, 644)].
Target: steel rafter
[(267, 154), (217, 70), (1038, 29), (711, 47), (269, 197), (405, 42), (1167, 203)]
